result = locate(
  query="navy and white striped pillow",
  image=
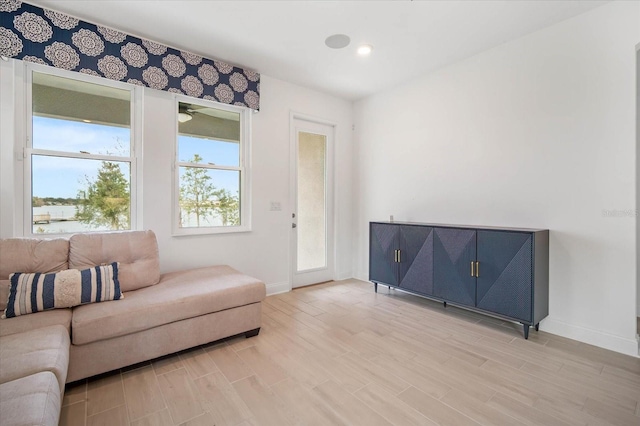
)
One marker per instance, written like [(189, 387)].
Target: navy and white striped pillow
[(30, 293)]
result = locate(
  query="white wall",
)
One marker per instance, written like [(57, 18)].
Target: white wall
[(264, 252), (538, 132)]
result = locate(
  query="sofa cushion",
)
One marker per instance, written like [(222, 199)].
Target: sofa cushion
[(31, 352), (31, 293), (31, 255), (135, 251), (178, 296), (34, 400), (42, 319)]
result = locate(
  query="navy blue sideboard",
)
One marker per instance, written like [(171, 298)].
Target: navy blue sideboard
[(503, 272)]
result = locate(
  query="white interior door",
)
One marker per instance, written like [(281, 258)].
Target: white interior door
[(312, 219)]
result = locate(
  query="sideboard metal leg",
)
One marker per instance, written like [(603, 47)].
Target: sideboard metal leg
[(526, 330), (375, 287), (537, 326)]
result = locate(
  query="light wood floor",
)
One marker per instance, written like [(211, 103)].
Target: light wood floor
[(339, 354)]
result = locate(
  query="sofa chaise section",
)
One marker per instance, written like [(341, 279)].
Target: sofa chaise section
[(185, 309), (178, 296), (110, 354), (158, 315)]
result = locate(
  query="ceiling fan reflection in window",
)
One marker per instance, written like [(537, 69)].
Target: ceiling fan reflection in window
[(185, 113)]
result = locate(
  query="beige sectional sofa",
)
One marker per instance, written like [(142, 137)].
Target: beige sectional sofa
[(159, 315)]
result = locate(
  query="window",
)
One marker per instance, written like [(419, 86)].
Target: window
[(211, 192), (80, 165)]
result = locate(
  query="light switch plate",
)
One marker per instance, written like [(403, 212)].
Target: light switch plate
[(276, 206)]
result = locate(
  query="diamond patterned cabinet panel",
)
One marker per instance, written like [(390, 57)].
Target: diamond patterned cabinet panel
[(453, 252), (416, 259), (383, 241), (505, 273)]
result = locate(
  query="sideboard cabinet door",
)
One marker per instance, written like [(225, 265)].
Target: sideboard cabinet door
[(453, 251), (383, 243), (416, 259), (505, 273)]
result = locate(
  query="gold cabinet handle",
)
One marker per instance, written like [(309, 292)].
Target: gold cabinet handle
[(399, 256), (395, 256), (473, 273), (477, 269)]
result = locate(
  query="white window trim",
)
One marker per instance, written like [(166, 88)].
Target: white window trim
[(23, 209), (245, 171)]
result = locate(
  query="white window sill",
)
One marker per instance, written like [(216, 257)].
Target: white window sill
[(185, 232)]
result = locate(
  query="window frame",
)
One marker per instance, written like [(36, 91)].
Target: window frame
[(135, 149), (244, 168)]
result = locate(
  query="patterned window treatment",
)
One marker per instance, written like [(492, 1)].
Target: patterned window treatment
[(52, 38)]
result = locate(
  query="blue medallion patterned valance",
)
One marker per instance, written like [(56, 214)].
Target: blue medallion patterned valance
[(52, 38)]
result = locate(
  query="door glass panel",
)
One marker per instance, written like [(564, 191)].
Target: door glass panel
[(312, 217)]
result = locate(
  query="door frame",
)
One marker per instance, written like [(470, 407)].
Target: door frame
[(293, 181)]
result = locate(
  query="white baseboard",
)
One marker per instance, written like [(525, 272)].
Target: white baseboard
[(277, 288), (590, 336), (362, 276), (344, 275)]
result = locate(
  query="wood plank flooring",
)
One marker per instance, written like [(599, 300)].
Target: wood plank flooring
[(339, 354)]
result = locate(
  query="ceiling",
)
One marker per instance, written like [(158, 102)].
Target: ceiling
[(285, 39)]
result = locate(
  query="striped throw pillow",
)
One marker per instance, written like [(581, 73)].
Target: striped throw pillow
[(30, 293)]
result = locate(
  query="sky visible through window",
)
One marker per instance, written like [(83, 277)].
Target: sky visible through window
[(65, 177), (213, 152)]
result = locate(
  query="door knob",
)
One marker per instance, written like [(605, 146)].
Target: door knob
[(293, 225)]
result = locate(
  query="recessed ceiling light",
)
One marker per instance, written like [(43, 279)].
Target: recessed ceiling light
[(337, 41), (365, 49), (87, 121)]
